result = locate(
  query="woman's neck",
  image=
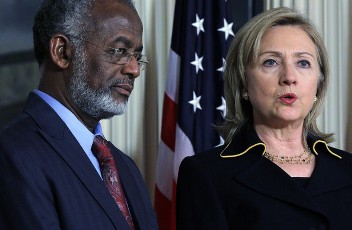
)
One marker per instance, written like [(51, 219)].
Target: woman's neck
[(280, 141), (288, 144)]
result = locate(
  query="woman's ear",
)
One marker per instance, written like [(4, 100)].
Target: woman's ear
[(60, 51)]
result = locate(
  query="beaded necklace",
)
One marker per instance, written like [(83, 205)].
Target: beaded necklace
[(299, 159)]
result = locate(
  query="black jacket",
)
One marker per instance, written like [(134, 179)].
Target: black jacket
[(251, 192)]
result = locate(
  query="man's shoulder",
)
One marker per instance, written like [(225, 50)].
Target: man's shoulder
[(17, 126)]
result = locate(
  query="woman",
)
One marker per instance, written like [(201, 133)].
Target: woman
[(275, 170)]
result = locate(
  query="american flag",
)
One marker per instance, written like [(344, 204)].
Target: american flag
[(193, 99)]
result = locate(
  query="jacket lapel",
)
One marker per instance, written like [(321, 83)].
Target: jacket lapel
[(263, 176), (56, 133), (330, 173), (128, 180)]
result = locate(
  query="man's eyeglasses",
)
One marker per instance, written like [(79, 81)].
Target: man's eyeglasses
[(121, 56)]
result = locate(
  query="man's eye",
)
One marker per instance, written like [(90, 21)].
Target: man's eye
[(119, 51), (138, 57)]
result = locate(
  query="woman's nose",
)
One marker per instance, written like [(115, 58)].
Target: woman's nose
[(288, 75)]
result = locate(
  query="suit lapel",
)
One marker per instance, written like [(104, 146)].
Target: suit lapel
[(65, 145), (128, 180)]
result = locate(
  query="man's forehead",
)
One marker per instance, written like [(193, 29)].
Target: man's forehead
[(112, 15)]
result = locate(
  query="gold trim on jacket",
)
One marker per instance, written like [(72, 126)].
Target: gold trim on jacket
[(262, 144)]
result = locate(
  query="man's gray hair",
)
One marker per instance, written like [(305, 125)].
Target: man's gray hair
[(73, 18)]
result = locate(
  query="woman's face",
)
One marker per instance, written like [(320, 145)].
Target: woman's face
[(283, 83)]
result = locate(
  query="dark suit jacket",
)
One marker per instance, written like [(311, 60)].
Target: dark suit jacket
[(251, 192), (48, 182)]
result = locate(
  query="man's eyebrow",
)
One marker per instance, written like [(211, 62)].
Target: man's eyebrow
[(127, 42), (124, 40)]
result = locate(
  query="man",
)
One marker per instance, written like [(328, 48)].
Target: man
[(89, 53)]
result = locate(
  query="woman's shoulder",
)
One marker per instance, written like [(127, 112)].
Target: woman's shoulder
[(210, 155), (341, 153)]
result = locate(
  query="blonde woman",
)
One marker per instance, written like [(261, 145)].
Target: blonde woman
[(275, 170)]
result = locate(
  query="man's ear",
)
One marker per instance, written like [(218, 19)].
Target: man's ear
[(60, 51)]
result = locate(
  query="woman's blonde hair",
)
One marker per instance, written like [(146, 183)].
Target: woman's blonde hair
[(243, 53)]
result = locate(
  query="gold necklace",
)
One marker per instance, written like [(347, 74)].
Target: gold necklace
[(299, 159)]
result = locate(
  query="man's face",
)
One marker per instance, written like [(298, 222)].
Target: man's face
[(100, 86)]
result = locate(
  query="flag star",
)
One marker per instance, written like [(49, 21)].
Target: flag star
[(221, 69), (222, 107), (195, 102), (197, 62), (227, 29), (198, 24)]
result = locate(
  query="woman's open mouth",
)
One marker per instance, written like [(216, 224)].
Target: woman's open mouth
[(288, 98)]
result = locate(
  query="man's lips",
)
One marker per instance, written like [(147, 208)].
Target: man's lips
[(124, 89), (288, 98)]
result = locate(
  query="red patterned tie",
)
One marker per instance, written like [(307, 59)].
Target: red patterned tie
[(110, 175)]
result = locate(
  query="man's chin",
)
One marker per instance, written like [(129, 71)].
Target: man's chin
[(118, 110), (108, 115)]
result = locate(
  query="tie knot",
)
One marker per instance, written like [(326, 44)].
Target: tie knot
[(101, 149)]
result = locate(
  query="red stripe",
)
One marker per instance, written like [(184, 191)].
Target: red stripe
[(168, 128), (173, 208), (163, 208)]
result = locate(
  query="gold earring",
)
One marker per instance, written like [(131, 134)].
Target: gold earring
[(315, 99)]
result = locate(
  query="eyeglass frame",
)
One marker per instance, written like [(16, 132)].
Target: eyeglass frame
[(142, 63)]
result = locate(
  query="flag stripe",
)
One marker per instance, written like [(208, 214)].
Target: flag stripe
[(164, 174), (172, 80), (168, 129), (183, 149), (193, 94), (164, 209)]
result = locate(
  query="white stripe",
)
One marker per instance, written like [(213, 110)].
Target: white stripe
[(165, 160), (183, 149), (164, 173), (173, 75)]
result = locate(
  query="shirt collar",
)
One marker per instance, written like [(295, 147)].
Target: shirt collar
[(77, 128)]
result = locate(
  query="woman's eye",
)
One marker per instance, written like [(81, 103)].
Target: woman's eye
[(304, 64), (270, 62)]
